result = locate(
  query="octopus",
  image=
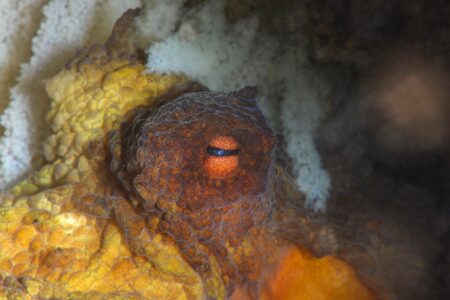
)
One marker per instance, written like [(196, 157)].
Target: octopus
[(173, 199), (199, 169)]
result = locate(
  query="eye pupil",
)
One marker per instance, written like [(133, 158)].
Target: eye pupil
[(221, 152)]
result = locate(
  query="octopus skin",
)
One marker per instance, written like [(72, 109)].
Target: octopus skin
[(161, 157)]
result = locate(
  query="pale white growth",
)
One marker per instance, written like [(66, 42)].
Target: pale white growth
[(300, 116), (226, 58), (18, 22), (200, 46), (67, 26), (158, 19), (62, 31)]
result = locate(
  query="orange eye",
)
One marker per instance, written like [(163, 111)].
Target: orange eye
[(221, 157)]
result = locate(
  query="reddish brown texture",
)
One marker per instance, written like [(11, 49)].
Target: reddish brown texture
[(159, 156)]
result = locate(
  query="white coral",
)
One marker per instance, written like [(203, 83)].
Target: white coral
[(300, 115), (66, 27), (205, 49), (18, 22), (158, 19)]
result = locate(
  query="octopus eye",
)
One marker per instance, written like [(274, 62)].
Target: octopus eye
[(213, 151), (221, 158)]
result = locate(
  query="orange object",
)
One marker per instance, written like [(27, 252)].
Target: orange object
[(221, 166), (299, 275), (224, 142)]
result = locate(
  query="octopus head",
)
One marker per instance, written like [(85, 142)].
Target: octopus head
[(202, 163)]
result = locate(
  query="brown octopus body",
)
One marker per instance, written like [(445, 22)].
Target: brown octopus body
[(201, 165)]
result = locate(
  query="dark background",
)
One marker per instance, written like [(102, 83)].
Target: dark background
[(386, 136)]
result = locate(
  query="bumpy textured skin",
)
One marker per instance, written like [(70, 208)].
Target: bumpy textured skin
[(127, 211), (158, 156)]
